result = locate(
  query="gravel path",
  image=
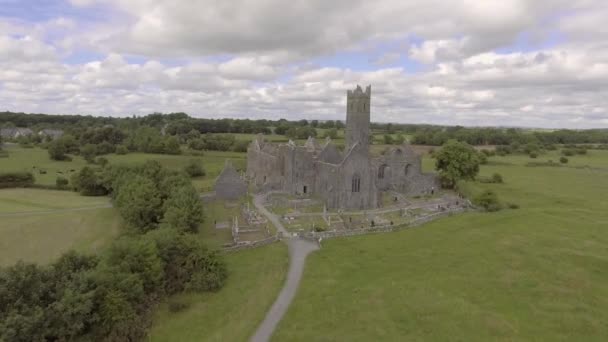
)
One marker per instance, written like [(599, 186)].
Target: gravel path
[(298, 251)]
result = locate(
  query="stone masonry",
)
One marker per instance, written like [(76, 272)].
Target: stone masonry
[(343, 180)]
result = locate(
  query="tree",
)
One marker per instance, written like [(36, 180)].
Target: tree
[(456, 160), (139, 203), (388, 139), (563, 160), (88, 183), (332, 133), (88, 152), (194, 168), (183, 210), (57, 150), (171, 145)]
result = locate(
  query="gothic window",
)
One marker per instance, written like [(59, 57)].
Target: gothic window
[(381, 171), (356, 183)]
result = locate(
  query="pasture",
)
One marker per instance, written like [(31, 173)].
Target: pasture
[(39, 225), (535, 273), (234, 312), (36, 159)]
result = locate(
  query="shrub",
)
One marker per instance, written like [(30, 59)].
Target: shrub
[(488, 200), (497, 178), (563, 160), (533, 155), (194, 168), (568, 152), (101, 161), (513, 206), (16, 179), (61, 182), (176, 305), (121, 149)]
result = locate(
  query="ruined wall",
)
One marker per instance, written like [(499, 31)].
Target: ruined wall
[(298, 168), (357, 165), (263, 169)]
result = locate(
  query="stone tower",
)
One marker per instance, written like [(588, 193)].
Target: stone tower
[(358, 116)]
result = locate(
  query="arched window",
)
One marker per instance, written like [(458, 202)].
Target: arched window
[(356, 183), (382, 171)]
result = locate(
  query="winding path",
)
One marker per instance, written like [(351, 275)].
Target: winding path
[(298, 251)]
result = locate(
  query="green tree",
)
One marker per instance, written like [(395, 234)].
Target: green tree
[(139, 203), (88, 183), (456, 160), (171, 145), (183, 210), (388, 139), (57, 150), (88, 152), (194, 168)]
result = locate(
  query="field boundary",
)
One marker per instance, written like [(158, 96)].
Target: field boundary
[(318, 236)]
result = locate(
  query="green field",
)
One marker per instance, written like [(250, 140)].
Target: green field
[(535, 273), (25, 159), (39, 225), (233, 313)]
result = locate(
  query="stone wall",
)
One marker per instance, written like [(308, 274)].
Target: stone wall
[(251, 244), (314, 236)]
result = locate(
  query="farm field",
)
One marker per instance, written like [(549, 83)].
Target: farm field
[(234, 312), (24, 159), (534, 273), (39, 225)]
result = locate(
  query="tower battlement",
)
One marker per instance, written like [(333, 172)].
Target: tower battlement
[(358, 92)]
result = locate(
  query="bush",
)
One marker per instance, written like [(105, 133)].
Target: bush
[(194, 168), (568, 152), (101, 161), (563, 160), (497, 178), (176, 305), (533, 155), (16, 179), (121, 150), (61, 182), (488, 200), (513, 206)]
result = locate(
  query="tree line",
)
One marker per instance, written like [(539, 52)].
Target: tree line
[(110, 296)]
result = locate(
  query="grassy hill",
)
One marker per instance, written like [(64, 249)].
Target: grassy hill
[(534, 273)]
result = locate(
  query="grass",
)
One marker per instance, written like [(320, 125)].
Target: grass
[(24, 159), (535, 273), (234, 312), (39, 236)]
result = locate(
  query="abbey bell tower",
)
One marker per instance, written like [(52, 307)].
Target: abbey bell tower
[(358, 116)]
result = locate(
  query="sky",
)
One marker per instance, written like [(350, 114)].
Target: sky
[(527, 63)]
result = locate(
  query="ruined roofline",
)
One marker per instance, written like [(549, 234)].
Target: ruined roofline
[(358, 92)]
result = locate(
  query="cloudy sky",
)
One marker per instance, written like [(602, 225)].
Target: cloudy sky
[(536, 63)]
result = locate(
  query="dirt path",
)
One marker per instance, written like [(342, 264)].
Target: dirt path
[(298, 251)]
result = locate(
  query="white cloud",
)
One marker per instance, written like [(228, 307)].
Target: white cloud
[(261, 59)]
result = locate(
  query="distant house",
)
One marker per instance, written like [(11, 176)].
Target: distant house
[(15, 132), (53, 133)]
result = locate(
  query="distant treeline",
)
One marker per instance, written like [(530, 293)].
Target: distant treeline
[(187, 128)]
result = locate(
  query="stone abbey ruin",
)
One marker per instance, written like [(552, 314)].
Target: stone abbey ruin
[(352, 179)]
